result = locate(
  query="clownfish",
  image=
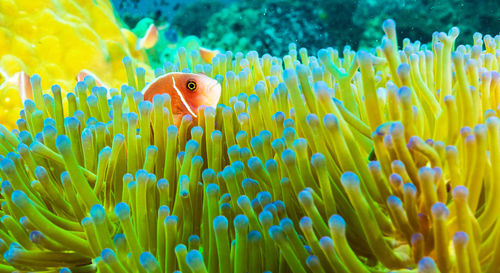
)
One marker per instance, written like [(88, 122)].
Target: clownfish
[(23, 82), (187, 91), (207, 55), (149, 40), (84, 73), (19, 80)]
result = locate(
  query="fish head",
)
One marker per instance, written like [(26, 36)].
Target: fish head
[(188, 90)]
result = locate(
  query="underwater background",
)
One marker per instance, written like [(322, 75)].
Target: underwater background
[(268, 26)]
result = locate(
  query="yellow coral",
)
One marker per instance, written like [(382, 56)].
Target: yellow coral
[(58, 38)]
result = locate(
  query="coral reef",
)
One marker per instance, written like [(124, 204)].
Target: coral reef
[(415, 18), (277, 177), (268, 26), (57, 39), (132, 12), (192, 18)]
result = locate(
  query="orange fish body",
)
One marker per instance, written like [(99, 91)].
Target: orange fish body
[(187, 92), (149, 40), (84, 73), (21, 81), (207, 55)]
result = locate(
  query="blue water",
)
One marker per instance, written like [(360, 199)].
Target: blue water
[(269, 26)]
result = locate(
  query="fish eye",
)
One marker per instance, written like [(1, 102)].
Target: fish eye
[(191, 85)]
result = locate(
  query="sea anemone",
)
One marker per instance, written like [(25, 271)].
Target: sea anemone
[(376, 161)]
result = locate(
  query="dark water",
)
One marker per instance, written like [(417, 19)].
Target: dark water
[(269, 26)]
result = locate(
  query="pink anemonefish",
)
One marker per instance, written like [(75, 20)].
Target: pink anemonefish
[(187, 92), (21, 81), (149, 40), (207, 55), (84, 73)]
